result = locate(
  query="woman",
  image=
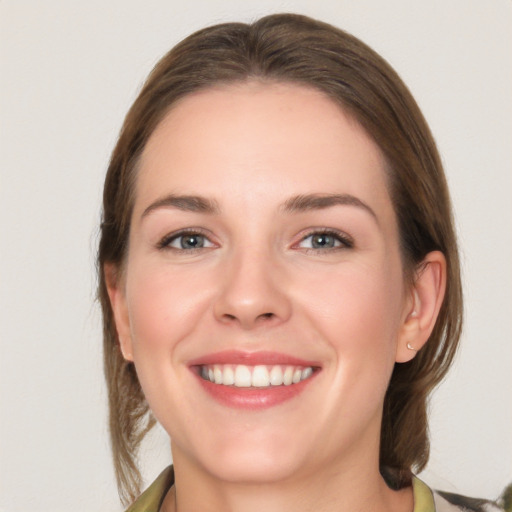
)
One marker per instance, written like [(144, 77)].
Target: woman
[(278, 274)]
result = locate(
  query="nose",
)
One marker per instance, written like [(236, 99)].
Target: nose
[(252, 292)]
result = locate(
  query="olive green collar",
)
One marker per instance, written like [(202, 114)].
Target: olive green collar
[(151, 499)]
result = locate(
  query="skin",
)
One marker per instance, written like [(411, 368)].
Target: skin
[(258, 283)]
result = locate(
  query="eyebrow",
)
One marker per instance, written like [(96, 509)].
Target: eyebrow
[(307, 202), (300, 203), (196, 204)]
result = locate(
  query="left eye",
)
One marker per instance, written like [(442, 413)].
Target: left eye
[(188, 241), (324, 241)]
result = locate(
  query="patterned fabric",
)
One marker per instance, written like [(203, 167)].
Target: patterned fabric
[(446, 502), (425, 500)]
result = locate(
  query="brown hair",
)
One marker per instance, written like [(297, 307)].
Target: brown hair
[(294, 48)]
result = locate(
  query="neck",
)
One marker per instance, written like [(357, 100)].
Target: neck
[(336, 487)]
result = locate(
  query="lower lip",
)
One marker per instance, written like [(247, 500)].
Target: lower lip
[(253, 398)]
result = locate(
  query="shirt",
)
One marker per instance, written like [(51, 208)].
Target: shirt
[(425, 499)]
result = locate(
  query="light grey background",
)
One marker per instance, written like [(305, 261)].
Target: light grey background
[(69, 71)]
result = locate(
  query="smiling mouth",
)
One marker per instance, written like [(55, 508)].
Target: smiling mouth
[(253, 381), (257, 376)]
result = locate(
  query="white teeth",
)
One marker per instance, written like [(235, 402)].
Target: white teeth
[(217, 374), (259, 376), (307, 372), (229, 376), (242, 376), (276, 376), (288, 376)]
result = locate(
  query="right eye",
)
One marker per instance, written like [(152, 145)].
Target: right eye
[(185, 241)]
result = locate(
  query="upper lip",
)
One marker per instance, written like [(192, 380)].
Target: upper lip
[(251, 359)]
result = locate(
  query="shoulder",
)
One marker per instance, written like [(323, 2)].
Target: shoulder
[(449, 502), (151, 499), (428, 500)]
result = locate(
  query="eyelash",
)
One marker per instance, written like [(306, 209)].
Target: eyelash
[(165, 242), (346, 242)]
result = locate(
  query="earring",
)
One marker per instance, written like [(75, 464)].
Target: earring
[(410, 347)]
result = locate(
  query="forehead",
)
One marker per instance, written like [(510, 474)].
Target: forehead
[(260, 138)]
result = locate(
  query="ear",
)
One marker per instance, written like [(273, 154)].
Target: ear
[(422, 307), (117, 295)]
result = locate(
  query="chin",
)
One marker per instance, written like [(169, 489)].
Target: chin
[(254, 466), (250, 458)]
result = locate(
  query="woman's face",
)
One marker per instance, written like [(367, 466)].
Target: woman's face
[(263, 254)]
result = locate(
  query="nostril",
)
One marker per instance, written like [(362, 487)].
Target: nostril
[(267, 315)]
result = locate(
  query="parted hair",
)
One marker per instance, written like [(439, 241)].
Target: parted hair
[(296, 49)]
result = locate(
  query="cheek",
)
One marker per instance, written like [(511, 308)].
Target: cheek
[(358, 311), (163, 307)]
